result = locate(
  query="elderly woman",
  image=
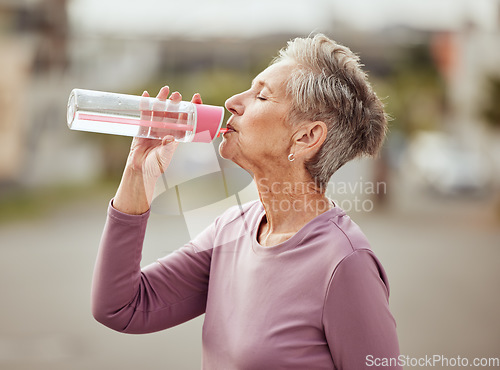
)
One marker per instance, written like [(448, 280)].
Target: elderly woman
[(287, 281)]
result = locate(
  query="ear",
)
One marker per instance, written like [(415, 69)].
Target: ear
[(308, 139)]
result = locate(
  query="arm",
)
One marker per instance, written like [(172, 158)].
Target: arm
[(163, 294), (357, 319), (147, 160)]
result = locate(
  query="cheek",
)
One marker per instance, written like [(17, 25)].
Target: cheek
[(271, 144), (265, 135)]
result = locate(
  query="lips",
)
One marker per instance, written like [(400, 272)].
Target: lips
[(230, 128)]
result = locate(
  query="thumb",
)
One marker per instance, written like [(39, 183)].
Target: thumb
[(167, 140)]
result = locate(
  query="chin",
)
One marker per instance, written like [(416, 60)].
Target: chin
[(228, 153), (224, 150)]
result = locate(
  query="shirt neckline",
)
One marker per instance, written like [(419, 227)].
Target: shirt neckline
[(296, 238)]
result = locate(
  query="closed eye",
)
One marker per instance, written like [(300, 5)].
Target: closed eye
[(262, 98)]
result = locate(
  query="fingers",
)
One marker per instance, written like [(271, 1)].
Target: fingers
[(196, 99), (159, 107), (163, 112), (168, 113), (163, 93), (145, 115), (176, 97), (167, 140)]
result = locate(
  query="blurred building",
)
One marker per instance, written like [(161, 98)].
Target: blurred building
[(47, 49), (468, 57), (18, 52), (34, 57)]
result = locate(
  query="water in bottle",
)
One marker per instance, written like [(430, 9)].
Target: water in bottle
[(147, 117)]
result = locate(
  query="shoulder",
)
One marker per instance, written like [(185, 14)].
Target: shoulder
[(348, 232), (358, 266), (358, 260), (358, 283), (336, 233), (346, 251)]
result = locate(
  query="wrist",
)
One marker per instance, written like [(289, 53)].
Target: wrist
[(135, 192)]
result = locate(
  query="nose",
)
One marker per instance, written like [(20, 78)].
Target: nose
[(235, 104)]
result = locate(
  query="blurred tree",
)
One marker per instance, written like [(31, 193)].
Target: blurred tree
[(414, 94), (490, 110), (415, 91)]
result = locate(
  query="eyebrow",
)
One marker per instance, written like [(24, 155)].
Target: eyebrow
[(261, 83)]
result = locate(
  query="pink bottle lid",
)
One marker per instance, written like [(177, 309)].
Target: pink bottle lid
[(208, 122)]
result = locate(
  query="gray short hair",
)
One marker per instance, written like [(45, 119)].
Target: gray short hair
[(329, 85)]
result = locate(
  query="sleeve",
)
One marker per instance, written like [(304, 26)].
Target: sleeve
[(164, 294), (359, 327)]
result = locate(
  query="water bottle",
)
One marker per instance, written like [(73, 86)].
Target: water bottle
[(139, 116)]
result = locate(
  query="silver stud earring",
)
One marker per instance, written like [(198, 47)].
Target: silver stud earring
[(291, 157)]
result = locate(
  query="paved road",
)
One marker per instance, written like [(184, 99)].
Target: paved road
[(441, 257)]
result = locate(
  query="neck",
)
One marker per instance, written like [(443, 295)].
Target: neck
[(289, 204)]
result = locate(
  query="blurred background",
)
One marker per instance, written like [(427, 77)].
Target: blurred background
[(434, 218)]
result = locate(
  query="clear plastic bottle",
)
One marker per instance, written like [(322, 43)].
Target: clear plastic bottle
[(147, 117)]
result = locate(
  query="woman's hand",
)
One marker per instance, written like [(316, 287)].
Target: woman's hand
[(147, 160), (152, 157)]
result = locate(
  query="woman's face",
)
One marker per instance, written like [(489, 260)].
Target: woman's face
[(261, 139)]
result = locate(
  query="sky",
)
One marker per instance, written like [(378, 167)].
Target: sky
[(430, 14), (226, 18)]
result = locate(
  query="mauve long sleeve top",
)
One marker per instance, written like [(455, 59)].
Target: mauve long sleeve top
[(316, 301)]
